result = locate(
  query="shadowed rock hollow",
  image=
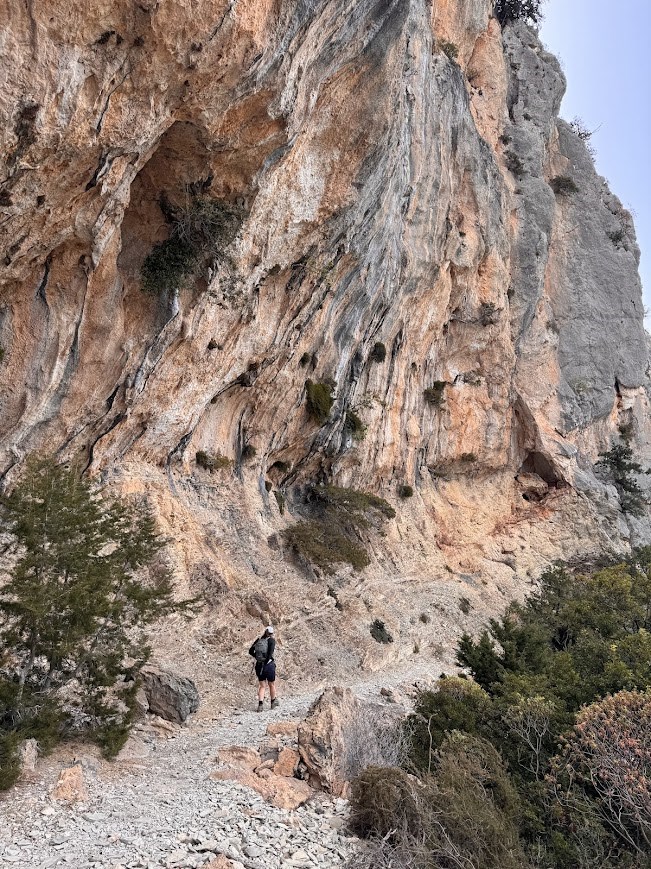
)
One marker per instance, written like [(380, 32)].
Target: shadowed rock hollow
[(393, 166)]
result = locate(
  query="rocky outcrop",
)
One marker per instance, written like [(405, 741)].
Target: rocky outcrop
[(322, 738), (394, 170), (168, 695)]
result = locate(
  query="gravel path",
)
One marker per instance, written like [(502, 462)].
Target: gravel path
[(161, 809)]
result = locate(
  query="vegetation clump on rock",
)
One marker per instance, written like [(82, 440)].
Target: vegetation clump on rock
[(380, 633), (378, 353), (434, 394), (199, 232), (332, 532), (83, 578), (213, 461), (319, 400), (563, 185), (354, 425)]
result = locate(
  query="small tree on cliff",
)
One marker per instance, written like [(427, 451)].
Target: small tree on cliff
[(518, 10), (85, 579), (618, 464)]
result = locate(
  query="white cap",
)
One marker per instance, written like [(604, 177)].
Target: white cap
[(269, 629)]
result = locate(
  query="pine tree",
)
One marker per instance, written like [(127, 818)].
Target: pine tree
[(619, 465), (86, 576), (516, 10)]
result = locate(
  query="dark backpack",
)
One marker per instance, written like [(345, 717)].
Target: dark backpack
[(260, 650)]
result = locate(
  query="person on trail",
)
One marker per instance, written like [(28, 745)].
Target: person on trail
[(265, 667)]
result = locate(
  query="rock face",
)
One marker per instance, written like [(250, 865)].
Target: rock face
[(170, 696), (388, 195)]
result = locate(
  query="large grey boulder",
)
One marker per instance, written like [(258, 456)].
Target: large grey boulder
[(170, 696)]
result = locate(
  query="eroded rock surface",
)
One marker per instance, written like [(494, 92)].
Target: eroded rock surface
[(388, 195)]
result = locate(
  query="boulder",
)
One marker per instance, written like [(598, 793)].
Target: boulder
[(322, 738), (70, 787), (287, 762), (168, 695), (283, 793)]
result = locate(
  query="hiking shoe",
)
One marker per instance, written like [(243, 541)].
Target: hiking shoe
[(260, 705), (275, 703)]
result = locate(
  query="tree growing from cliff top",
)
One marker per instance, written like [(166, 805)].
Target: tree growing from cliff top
[(85, 578), (518, 10)]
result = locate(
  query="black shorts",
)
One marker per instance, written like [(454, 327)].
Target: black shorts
[(266, 672)]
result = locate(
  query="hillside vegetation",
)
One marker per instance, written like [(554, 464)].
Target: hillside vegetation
[(544, 757)]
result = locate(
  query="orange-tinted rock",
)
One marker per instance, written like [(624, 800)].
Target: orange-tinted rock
[(287, 762), (70, 787)]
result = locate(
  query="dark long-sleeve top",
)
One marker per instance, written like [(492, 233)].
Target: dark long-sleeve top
[(271, 648)]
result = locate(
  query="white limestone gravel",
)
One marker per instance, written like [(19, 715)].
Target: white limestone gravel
[(161, 809)]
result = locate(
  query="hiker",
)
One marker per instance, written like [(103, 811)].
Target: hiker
[(265, 667)]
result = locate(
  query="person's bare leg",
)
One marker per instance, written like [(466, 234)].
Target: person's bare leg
[(261, 689), (272, 691)]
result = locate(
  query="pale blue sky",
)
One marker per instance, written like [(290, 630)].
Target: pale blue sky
[(605, 49)]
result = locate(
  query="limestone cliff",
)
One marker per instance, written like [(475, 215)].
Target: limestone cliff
[(400, 178)]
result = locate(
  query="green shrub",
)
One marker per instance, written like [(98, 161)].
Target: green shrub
[(248, 452), (379, 632), (354, 426), (477, 805), (212, 461), (617, 236), (582, 132), (449, 49), (341, 504), (378, 353), (465, 813), (168, 265), (457, 704), (332, 536), (319, 400), (563, 185), (405, 491), (464, 605), (467, 458), (10, 764), (324, 546), (72, 612), (305, 359), (385, 801), (434, 394), (199, 232)]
